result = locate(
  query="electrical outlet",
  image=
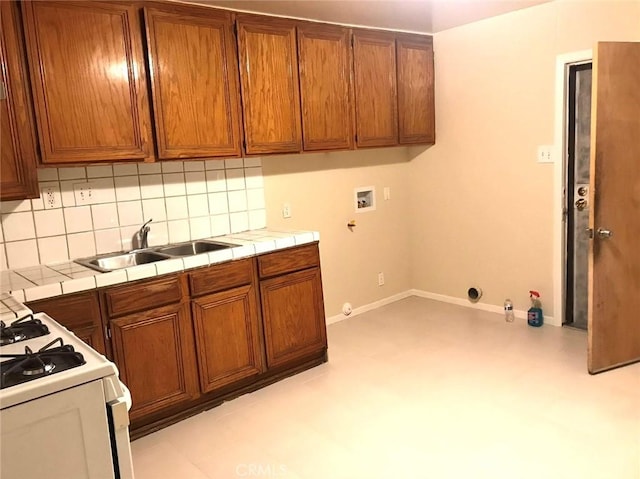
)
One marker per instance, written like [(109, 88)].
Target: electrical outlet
[(51, 197), (286, 210), (545, 154), (84, 193), (380, 279)]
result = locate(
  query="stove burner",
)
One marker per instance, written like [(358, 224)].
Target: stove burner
[(37, 367), (31, 365), (26, 327)]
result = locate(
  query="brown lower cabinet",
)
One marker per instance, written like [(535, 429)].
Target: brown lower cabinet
[(79, 313), (294, 321), (227, 324), (155, 354), (152, 342), (188, 341)]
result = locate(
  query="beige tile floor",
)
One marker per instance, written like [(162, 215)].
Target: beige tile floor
[(420, 389)]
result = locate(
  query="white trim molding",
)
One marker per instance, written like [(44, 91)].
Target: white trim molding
[(560, 149), (369, 307), (520, 314)]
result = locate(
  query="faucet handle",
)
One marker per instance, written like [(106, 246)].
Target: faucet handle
[(145, 225)]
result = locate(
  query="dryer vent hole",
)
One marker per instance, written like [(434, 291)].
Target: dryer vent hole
[(474, 294)]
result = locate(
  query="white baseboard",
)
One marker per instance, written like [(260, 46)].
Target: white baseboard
[(369, 307), (520, 314), (492, 308)]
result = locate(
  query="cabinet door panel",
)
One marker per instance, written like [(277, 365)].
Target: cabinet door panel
[(375, 89), (227, 337), (416, 108), (154, 352), (88, 75), (269, 80), (194, 82), (18, 142), (293, 316), (80, 313), (325, 87)]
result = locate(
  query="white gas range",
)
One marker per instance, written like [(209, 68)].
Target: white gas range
[(62, 399)]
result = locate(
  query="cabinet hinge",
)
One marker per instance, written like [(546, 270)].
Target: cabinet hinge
[(107, 332)]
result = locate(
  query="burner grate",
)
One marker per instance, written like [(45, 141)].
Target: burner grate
[(22, 329), (49, 359)]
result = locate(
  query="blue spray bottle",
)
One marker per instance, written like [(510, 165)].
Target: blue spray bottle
[(534, 315)]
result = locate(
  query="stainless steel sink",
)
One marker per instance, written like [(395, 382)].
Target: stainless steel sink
[(192, 247), (113, 261)]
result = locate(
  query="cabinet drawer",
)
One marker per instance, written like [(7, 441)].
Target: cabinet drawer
[(288, 260), (221, 276), (142, 296)]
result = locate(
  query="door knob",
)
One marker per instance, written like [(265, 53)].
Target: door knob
[(602, 233)]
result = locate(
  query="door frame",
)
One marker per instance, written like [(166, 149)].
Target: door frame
[(560, 159)]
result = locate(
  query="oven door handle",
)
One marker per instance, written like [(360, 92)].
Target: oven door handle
[(119, 414)]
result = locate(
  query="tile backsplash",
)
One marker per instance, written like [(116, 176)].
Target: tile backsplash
[(83, 211)]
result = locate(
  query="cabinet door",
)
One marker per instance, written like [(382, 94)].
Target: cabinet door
[(374, 63), (18, 147), (154, 352), (194, 79), (269, 79), (416, 109), (227, 337), (80, 313), (88, 76), (325, 87), (293, 316)]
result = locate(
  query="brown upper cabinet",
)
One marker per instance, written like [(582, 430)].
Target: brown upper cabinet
[(324, 63), (374, 64), (415, 89), (194, 80), (17, 130), (269, 80), (88, 75)]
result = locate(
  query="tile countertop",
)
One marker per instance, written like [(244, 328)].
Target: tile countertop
[(45, 281)]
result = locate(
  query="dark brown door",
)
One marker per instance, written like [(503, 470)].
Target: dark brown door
[(80, 313), (614, 262), (154, 352), (374, 62), (227, 337), (269, 79), (325, 87), (194, 79), (293, 316), (416, 107), (88, 75), (17, 128)]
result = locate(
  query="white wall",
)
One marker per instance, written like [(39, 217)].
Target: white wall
[(483, 205)]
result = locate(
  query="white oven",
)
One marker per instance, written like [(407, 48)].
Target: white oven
[(63, 410)]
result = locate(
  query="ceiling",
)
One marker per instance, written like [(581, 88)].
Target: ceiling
[(425, 16)]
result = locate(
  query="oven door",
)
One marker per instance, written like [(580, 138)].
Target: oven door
[(59, 436)]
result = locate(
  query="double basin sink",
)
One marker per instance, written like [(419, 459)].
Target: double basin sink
[(113, 261)]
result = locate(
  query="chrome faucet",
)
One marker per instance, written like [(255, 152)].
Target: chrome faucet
[(140, 239)]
